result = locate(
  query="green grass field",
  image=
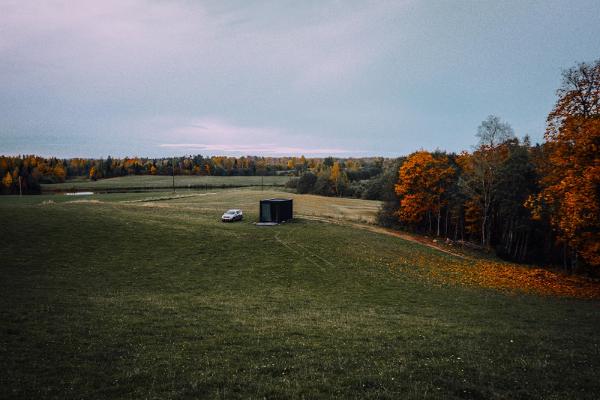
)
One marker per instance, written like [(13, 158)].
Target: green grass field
[(140, 182), (148, 295)]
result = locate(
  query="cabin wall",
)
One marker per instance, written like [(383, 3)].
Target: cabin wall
[(275, 211)]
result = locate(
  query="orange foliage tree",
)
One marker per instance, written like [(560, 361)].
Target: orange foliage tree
[(570, 194), (422, 183)]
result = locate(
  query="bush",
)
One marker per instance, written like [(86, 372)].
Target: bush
[(381, 187), (324, 187), (373, 189), (354, 189), (292, 183), (387, 214), (306, 183)]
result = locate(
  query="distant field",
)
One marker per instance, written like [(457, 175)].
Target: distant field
[(158, 182), (149, 295)]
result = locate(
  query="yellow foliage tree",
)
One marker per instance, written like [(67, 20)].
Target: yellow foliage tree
[(335, 171), (7, 181), (59, 172), (338, 177)]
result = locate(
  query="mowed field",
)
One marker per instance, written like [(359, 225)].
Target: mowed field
[(140, 182), (149, 295)]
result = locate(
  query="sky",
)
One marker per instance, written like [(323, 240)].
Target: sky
[(343, 78)]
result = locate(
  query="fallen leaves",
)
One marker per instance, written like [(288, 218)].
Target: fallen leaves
[(517, 278)]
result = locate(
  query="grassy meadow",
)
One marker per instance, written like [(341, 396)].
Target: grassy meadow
[(149, 295), (145, 182)]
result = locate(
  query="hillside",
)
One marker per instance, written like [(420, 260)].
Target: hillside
[(150, 295)]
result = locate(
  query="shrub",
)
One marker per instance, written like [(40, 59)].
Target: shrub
[(324, 187), (292, 183), (306, 183)]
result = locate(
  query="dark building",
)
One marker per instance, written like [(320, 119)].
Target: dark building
[(276, 210)]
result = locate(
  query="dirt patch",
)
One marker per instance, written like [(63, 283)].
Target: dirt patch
[(410, 238)]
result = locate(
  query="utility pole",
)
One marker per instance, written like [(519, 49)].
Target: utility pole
[(173, 174)]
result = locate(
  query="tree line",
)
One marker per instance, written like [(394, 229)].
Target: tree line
[(536, 203), (25, 173)]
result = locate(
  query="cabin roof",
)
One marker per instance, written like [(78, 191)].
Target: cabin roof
[(277, 200)]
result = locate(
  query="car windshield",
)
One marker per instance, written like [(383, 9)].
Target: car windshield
[(230, 212)]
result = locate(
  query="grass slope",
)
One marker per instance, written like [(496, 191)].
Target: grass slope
[(157, 182), (113, 297)]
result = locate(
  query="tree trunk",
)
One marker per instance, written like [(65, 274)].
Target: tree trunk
[(483, 231), (456, 229), (446, 225), (524, 252), (429, 217)]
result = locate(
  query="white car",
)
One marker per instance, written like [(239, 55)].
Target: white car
[(232, 215)]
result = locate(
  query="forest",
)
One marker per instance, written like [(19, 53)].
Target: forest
[(532, 203)]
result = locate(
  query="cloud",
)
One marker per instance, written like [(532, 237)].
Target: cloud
[(265, 148), (211, 128), (121, 42), (215, 135), (101, 70)]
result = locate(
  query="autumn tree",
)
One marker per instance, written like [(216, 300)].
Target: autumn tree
[(423, 181), (59, 172), (570, 193), (323, 185), (7, 181), (338, 178), (93, 173)]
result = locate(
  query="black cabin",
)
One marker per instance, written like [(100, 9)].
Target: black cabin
[(276, 210)]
